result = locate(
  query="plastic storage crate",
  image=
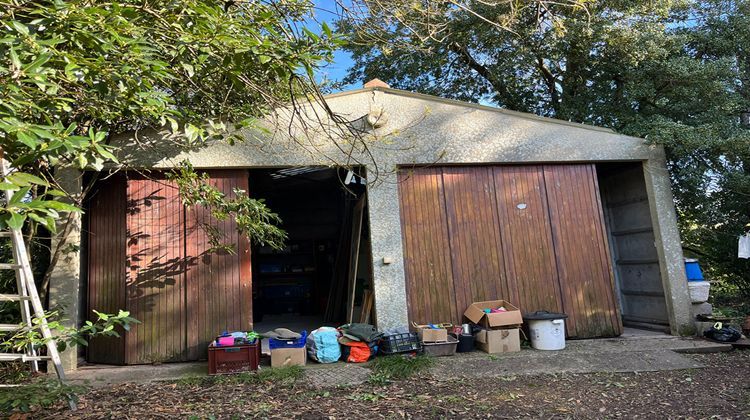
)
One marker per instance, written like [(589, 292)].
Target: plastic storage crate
[(400, 343), (233, 359), (446, 348), (274, 343)]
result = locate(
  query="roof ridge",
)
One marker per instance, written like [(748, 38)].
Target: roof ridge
[(456, 102)]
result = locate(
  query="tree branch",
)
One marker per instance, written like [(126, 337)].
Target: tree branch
[(551, 82), (500, 88), (481, 69)]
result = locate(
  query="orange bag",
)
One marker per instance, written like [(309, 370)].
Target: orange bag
[(357, 352)]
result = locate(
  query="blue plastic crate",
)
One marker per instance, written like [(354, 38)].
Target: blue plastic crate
[(288, 344)]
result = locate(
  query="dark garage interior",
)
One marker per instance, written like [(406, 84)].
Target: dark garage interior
[(305, 285)]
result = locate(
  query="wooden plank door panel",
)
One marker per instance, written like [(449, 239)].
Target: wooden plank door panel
[(155, 282), (476, 249), (430, 289), (106, 264), (219, 288), (354, 244), (159, 263), (531, 234), (525, 230), (582, 251)]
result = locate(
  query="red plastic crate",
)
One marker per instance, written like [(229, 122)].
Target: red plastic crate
[(233, 359)]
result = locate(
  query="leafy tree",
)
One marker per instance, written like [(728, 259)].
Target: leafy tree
[(674, 72), (711, 167), (75, 73)]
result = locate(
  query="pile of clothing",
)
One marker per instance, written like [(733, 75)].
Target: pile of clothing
[(359, 342), (354, 343), (282, 334), (236, 338)]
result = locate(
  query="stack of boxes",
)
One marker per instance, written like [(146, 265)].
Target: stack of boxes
[(500, 330), (292, 352)]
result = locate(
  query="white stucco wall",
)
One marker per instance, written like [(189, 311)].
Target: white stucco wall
[(426, 130)]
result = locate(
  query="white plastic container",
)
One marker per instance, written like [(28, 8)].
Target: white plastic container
[(547, 330), (699, 291)]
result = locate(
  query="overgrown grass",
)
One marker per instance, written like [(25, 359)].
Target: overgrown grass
[(280, 376), (385, 369), (284, 375)]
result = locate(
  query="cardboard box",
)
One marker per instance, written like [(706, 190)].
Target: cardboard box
[(498, 341), (475, 313), (288, 357), (428, 335)]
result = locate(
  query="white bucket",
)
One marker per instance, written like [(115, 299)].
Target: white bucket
[(547, 334), (699, 291)]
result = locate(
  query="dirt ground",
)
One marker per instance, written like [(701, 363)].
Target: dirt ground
[(722, 390)]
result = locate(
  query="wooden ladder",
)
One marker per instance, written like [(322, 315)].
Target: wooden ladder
[(28, 298)]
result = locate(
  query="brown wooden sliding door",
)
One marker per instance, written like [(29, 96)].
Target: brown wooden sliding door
[(150, 255), (531, 234)]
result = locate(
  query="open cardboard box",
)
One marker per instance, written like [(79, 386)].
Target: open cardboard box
[(475, 313), (498, 341), (429, 335), (288, 357)]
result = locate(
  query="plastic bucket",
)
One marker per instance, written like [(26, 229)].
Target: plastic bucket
[(699, 291), (693, 270), (546, 330)]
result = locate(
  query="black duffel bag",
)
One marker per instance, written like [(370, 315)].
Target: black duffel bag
[(722, 334)]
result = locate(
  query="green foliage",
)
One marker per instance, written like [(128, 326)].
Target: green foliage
[(252, 216), (385, 369), (728, 300), (75, 73), (370, 397), (105, 325), (674, 72), (282, 375), (37, 395)]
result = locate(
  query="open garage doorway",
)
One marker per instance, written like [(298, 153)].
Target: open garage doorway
[(323, 276), (638, 277)]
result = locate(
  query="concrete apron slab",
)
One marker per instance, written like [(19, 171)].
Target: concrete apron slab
[(536, 362), (631, 354), (103, 375)]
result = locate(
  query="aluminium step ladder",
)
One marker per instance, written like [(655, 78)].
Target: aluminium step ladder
[(28, 298)]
